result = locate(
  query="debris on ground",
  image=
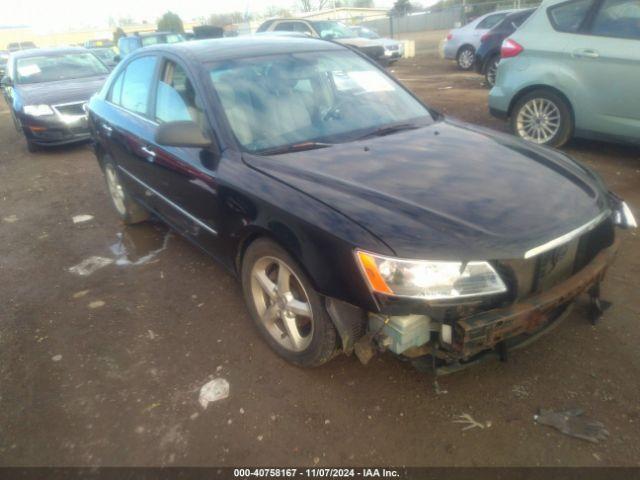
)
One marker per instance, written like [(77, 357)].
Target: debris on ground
[(11, 219), (56, 358), (470, 422), (438, 389), (572, 423), (445, 88), (80, 294), (212, 391), (90, 265), (96, 304), (82, 218), (520, 391)]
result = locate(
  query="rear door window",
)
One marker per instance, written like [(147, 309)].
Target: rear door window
[(284, 27), (569, 16), (136, 85), (618, 19), (491, 21)]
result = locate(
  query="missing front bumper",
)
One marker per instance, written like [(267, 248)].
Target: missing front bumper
[(486, 330)]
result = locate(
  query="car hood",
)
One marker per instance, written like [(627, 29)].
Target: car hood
[(63, 91), (359, 42), (447, 191)]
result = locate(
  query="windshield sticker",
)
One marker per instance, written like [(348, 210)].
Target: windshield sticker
[(28, 70), (371, 81)]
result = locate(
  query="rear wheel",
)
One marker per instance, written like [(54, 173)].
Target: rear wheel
[(284, 306), (128, 209), (491, 70), (542, 117), (466, 57)]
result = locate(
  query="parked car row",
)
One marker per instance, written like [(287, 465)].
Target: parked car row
[(569, 68)]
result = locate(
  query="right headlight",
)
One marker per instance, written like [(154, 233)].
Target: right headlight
[(429, 280), (38, 110)]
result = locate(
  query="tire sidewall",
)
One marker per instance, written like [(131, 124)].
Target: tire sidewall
[(494, 59), (323, 342), (565, 131)]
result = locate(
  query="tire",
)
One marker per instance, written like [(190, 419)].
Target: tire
[(491, 69), (556, 114), (466, 57), (304, 340), (129, 211), (32, 147)]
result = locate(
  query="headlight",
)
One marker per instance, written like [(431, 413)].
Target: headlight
[(38, 110), (429, 280)]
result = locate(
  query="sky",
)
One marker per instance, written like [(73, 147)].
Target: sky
[(48, 15)]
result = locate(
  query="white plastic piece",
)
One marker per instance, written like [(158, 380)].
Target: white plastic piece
[(82, 218), (212, 391), (90, 265)]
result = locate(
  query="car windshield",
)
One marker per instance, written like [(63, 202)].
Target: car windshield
[(333, 30), (105, 54), (50, 68), (366, 33), (332, 97)]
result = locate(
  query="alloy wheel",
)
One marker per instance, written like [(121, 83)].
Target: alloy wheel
[(466, 59), (539, 120), (492, 70), (282, 303), (115, 189)]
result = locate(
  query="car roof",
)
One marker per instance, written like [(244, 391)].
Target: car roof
[(212, 50), (39, 52)]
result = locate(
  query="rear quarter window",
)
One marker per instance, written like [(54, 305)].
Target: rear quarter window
[(569, 16)]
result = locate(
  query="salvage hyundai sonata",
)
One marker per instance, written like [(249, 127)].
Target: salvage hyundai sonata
[(356, 218)]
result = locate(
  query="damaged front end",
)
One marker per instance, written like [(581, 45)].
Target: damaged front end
[(452, 335)]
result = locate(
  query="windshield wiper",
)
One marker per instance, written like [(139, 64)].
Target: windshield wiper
[(294, 147), (389, 129)]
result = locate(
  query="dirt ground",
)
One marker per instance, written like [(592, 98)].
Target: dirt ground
[(105, 369)]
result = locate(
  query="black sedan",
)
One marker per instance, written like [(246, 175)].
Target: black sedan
[(488, 53), (355, 217), (47, 90)]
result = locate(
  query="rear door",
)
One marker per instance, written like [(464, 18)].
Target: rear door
[(127, 128)]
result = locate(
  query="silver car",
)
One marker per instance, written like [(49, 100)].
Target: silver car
[(393, 49), (461, 43)]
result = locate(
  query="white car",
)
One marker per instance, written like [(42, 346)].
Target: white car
[(461, 43)]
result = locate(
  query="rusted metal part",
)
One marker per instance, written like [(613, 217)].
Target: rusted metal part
[(485, 330)]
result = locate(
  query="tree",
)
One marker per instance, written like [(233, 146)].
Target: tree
[(170, 22), (401, 8), (312, 5), (117, 34)]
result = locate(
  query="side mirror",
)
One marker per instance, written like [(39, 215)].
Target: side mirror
[(182, 134), (6, 82)]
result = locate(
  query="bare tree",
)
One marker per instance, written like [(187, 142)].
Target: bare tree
[(312, 5)]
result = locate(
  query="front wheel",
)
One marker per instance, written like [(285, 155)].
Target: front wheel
[(542, 117), (466, 57), (288, 312), (128, 209)]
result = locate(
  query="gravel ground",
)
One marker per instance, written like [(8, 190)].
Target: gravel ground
[(105, 369)]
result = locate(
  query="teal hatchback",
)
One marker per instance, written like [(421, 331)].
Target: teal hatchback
[(572, 69)]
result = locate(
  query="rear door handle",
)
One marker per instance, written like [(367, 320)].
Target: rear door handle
[(151, 155), (586, 53), (107, 128)]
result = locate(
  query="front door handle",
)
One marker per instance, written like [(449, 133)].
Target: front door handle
[(107, 128), (151, 155), (586, 53)]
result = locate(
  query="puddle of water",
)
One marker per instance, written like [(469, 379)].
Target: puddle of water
[(138, 246), (134, 246)]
